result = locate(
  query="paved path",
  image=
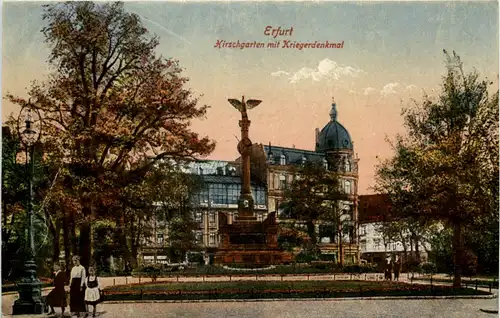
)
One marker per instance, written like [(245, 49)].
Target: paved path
[(443, 308), (345, 308)]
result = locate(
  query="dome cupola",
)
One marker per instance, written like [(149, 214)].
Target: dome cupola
[(333, 136)]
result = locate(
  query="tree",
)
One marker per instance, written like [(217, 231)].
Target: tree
[(447, 167), (111, 108), (314, 195)]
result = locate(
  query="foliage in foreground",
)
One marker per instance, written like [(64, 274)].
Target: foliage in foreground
[(112, 109), (446, 168)]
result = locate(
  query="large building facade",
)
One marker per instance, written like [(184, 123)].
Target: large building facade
[(334, 150), (273, 169)]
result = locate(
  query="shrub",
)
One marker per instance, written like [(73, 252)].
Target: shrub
[(305, 257), (468, 263), (327, 257), (428, 268)]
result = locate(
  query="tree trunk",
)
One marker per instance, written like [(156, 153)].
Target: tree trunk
[(417, 249), (341, 247), (411, 249), (457, 248), (84, 246), (74, 239), (85, 233), (311, 230), (56, 241), (67, 246)]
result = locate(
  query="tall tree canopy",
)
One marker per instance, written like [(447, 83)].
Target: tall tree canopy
[(111, 107), (446, 168)]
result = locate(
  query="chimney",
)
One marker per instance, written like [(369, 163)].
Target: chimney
[(201, 171), (220, 171)]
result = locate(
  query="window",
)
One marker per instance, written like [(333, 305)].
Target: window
[(325, 164), (347, 187), (259, 195), (282, 160), (282, 182), (199, 237), (271, 159), (212, 238), (203, 196), (198, 217), (304, 160), (233, 193), (159, 238), (362, 230), (218, 193), (212, 217), (347, 165)]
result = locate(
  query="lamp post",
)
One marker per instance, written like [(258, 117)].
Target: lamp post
[(30, 287)]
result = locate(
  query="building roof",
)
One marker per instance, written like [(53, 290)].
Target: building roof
[(210, 167), (333, 136), (374, 208), (225, 179), (292, 155)]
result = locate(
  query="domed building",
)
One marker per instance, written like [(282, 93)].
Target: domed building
[(335, 151)]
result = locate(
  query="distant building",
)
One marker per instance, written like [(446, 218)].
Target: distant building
[(374, 212)]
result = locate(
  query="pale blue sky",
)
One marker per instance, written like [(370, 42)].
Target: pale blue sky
[(391, 52)]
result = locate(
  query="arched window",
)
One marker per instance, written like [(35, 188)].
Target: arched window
[(282, 160), (347, 187)]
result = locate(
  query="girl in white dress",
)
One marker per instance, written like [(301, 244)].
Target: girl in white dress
[(92, 292)]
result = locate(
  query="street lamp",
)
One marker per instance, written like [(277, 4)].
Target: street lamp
[(30, 287)]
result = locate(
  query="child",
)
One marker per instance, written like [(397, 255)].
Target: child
[(93, 290), (57, 296)]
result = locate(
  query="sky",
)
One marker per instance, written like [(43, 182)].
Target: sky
[(392, 54)]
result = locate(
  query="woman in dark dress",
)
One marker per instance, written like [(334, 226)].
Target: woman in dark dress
[(76, 292), (57, 296)]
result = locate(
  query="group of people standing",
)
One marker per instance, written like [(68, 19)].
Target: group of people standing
[(84, 290), (392, 265)]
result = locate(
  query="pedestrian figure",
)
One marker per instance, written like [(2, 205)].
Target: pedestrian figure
[(93, 290), (388, 269), (397, 268), (76, 292), (57, 296)]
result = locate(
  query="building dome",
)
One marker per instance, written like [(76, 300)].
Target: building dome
[(333, 136)]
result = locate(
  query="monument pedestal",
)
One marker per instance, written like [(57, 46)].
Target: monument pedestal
[(248, 241)]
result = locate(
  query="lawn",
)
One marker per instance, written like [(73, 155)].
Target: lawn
[(465, 282), (276, 289)]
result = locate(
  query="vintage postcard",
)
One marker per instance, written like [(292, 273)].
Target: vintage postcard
[(250, 159)]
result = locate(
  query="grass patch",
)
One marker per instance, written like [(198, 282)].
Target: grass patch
[(468, 282), (276, 289)]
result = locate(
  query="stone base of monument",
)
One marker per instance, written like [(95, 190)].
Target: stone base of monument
[(248, 241), (261, 257)]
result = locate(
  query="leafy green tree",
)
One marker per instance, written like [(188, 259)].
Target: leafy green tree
[(111, 108), (314, 195), (447, 167)]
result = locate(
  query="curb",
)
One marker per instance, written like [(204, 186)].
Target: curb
[(299, 299), (15, 292)]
